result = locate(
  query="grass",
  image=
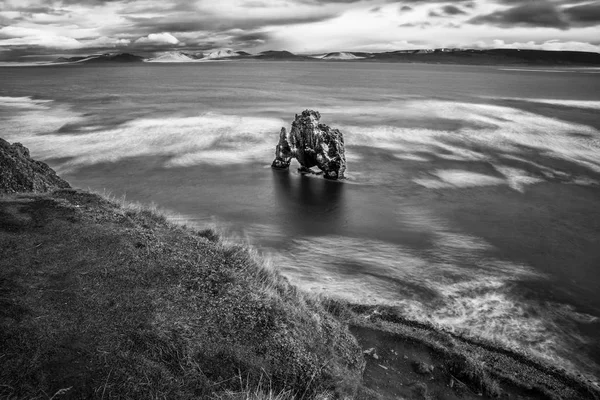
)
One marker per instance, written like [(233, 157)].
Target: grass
[(263, 391), (102, 298), (105, 299)]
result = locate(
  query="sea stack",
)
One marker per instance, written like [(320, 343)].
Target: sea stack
[(313, 144)]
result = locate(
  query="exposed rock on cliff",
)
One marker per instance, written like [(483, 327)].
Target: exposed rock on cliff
[(20, 173), (313, 144)]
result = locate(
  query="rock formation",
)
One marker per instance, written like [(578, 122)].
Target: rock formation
[(20, 173), (313, 144)]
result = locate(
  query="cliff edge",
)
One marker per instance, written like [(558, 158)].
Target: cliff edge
[(101, 299), (20, 173)]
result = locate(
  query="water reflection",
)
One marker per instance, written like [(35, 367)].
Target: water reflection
[(309, 206)]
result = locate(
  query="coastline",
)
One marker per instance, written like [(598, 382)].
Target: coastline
[(400, 357), (480, 367), (101, 299)]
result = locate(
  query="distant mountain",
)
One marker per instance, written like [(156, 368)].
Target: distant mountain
[(172, 57), (342, 56), (69, 59), (101, 58), (432, 56), (281, 56), (224, 53), (490, 57)]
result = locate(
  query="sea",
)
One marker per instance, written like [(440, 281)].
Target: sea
[(472, 198)]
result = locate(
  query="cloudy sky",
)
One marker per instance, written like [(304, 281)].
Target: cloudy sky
[(32, 29)]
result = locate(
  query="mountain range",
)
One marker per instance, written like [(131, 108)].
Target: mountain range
[(440, 56)]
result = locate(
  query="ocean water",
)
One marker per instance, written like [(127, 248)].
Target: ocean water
[(473, 193)]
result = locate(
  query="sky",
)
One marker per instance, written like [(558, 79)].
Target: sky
[(37, 29)]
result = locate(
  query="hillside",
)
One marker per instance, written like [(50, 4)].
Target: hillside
[(100, 299), (105, 299), (20, 173)]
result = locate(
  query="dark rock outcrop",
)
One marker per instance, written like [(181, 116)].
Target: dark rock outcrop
[(20, 173), (313, 144)]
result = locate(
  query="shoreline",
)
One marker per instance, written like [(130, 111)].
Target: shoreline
[(100, 295), (514, 371), (461, 368)]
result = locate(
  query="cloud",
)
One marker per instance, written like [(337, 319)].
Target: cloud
[(17, 36), (328, 1), (248, 39), (105, 42), (584, 14), (538, 13), (158, 38), (193, 22), (452, 10), (93, 3), (446, 11), (430, 1), (301, 26)]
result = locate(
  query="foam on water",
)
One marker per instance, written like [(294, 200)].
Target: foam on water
[(486, 132), (209, 138), (409, 157), (23, 117), (458, 179), (436, 288), (547, 172), (500, 128), (22, 102), (515, 178), (586, 104), (456, 284)]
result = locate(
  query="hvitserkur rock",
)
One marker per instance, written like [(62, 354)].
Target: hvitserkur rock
[(313, 144)]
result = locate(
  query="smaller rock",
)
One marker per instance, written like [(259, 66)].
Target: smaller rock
[(422, 368), (371, 352)]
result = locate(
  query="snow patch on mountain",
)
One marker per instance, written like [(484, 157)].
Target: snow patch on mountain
[(341, 56), (222, 53), (172, 56)]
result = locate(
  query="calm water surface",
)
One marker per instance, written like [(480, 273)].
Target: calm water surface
[(473, 193)]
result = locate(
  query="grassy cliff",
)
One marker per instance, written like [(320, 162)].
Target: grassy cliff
[(101, 300)]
